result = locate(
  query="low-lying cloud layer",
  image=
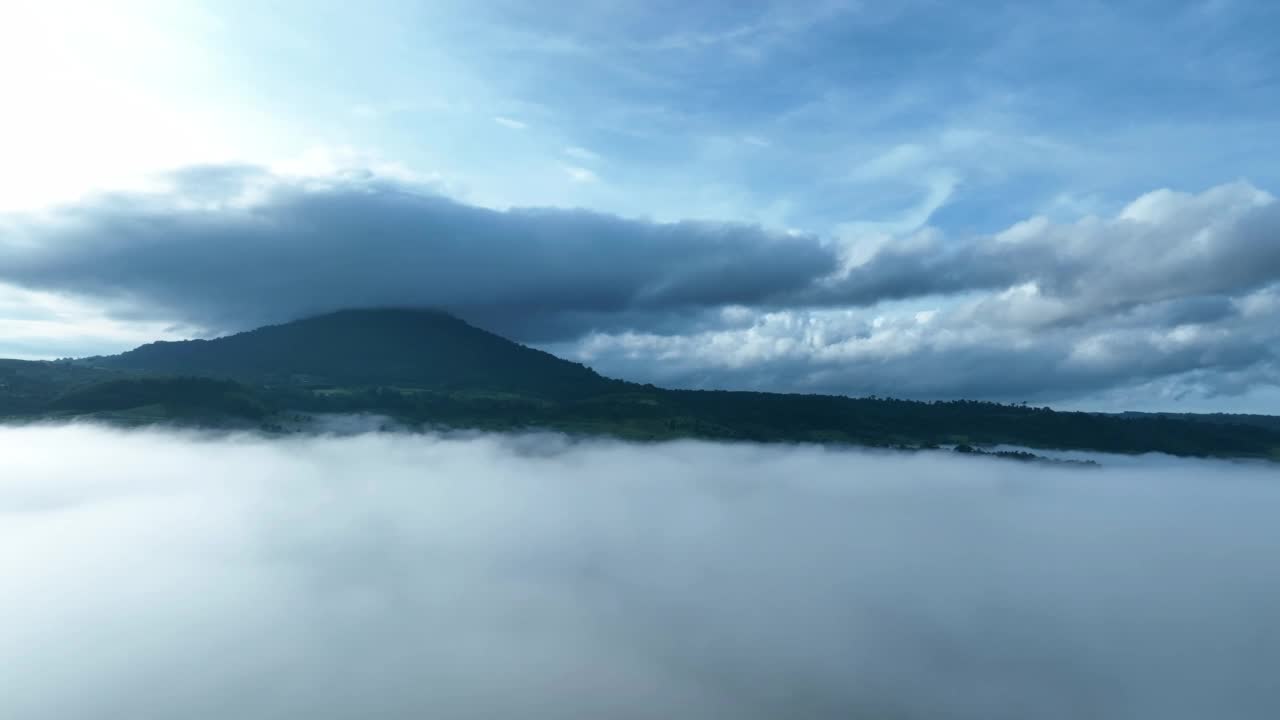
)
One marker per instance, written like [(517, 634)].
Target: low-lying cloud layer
[(151, 574), (1175, 294)]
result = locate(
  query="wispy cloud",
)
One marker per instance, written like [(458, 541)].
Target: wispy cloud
[(580, 153), (580, 174), (509, 122)]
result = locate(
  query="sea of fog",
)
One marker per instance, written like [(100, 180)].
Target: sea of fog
[(162, 574)]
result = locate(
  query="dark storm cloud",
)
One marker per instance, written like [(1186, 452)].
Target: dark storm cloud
[(166, 575), (298, 248)]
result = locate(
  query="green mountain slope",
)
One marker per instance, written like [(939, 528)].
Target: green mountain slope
[(427, 368), (30, 387), (194, 397), (392, 347)]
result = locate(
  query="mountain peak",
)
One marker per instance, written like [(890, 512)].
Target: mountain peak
[(416, 347)]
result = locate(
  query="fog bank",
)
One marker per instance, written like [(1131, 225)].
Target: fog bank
[(150, 574)]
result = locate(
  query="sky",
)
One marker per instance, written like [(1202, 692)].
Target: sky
[(165, 574), (1069, 203)]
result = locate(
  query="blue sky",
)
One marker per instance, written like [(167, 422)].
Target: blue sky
[(865, 127)]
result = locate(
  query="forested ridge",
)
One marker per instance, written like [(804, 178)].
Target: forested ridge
[(427, 368)]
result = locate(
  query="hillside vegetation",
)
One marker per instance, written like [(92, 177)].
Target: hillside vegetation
[(427, 368)]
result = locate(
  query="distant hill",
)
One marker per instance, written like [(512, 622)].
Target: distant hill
[(1271, 422), (429, 369), (392, 347)]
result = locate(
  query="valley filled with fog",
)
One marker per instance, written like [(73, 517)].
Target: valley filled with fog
[(158, 574)]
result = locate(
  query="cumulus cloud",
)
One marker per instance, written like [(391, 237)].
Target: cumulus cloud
[(1163, 246), (1174, 287), (962, 349), (167, 575)]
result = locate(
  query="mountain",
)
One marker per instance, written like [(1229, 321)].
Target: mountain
[(390, 347), (426, 368)]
